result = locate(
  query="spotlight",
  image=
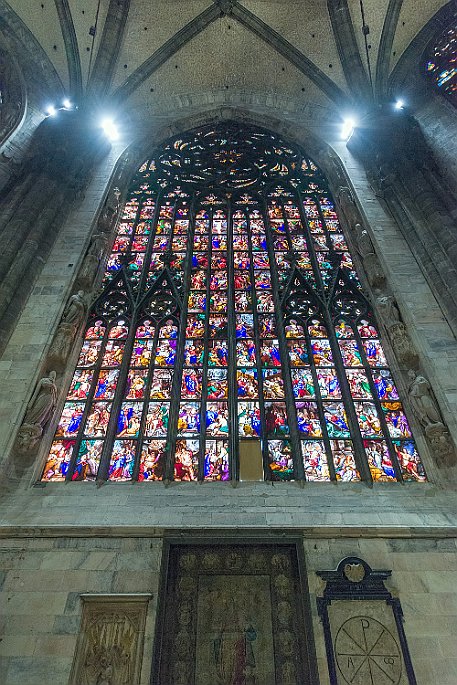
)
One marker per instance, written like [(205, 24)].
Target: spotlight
[(67, 104), (110, 129), (348, 128), (399, 104), (51, 111)]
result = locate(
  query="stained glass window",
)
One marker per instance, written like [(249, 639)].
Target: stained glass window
[(231, 312), (441, 64)]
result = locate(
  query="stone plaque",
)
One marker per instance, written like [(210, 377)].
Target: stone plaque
[(232, 615), (110, 643), (365, 640)]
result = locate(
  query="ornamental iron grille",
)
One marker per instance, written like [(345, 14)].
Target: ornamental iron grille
[(441, 63), (231, 311)]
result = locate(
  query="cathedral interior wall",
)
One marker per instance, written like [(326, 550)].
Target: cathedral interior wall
[(42, 579)]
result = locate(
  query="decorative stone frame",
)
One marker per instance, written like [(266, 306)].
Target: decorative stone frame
[(355, 581), (306, 649)]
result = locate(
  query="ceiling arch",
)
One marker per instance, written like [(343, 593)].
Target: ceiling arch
[(88, 47)]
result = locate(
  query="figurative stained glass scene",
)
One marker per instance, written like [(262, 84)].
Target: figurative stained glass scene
[(441, 65), (231, 311)]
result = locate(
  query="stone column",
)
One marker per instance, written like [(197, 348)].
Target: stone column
[(56, 169), (402, 171)]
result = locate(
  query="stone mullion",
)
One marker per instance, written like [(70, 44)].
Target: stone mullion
[(355, 433), (232, 395), (206, 343), (346, 397), (291, 410), (111, 430), (258, 341), (179, 365), (318, 278), (88, 403), (319, 402), (377, 402), (141, 289)]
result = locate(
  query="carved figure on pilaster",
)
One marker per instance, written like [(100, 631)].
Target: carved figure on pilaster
[(72, 319), (39, 411), (106, 219), (92, 259), (348, 206), (375, 274), (427, 412), (333, 167), (399, 338)]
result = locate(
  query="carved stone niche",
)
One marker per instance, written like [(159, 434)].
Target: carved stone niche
[(109, 650), (363, 627)]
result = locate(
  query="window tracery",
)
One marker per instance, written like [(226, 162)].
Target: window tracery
[(231, 310)]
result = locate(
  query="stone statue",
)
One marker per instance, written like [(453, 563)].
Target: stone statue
[(105, 220), (39, 411), (389, 311), (43, 401), (423, 402), (92, 259), (61, 345), (72, 319), (334, 167), (399, 338), (427, 412), (371, 263), (75, 310), (348, 206)]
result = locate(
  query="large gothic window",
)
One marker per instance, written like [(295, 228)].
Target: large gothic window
[(231, 322), (441, 63)]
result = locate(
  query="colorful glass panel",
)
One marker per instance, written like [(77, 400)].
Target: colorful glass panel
[(227, 316)]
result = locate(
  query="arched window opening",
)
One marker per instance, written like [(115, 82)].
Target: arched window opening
[(231, 321), (441, 63)]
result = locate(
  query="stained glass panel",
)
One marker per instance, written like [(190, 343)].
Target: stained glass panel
[(228, 316)]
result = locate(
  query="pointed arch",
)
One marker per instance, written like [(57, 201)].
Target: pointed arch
[(264, 337)]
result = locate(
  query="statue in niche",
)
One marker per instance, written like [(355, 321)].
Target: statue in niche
[(75, 310), (371, 263), (92, 259), (334, 168), (39, 411), (72, 319), (423, 402), (43, 401), (348, 206), (427, 412), (396, 329)]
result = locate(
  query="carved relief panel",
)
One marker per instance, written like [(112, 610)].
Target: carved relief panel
[(233, 614), (110, 643)]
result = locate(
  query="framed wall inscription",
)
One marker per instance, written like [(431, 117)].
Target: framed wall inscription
[(363, 627), (233, 614)]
